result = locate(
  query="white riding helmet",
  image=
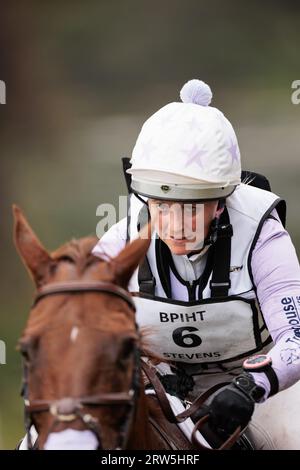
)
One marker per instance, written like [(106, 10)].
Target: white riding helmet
[(187, 151)]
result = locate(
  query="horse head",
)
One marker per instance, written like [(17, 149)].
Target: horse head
[(80, 345)]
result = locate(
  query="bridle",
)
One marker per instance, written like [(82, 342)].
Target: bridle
[(69, 409)]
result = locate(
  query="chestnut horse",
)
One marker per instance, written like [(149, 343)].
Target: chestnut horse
[(82, 377)]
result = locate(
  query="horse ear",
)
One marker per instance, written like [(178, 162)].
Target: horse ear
[(35, 257), (130, 257)]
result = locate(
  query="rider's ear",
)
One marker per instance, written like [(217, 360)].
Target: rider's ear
[(131, 256), (35, 257)]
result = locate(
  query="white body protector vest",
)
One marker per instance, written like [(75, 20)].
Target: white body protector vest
[(215, 329)]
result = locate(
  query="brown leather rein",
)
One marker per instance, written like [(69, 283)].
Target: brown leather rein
[(70, 409), (189, 412)]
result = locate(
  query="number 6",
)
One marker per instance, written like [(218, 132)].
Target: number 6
[(189, 340)]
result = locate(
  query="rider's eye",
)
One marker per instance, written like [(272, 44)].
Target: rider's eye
[(193, 209), (66, 258), (163, 207), (190, 209)]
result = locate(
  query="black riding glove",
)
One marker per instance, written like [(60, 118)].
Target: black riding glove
[(233, 405)]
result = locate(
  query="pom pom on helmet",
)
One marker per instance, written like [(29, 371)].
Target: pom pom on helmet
[(197, 92)]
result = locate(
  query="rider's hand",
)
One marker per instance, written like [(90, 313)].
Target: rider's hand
[(233, 405)]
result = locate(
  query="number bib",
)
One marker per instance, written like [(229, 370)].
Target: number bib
[(211, 330)]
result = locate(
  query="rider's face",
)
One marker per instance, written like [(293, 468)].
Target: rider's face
[(182, 226)]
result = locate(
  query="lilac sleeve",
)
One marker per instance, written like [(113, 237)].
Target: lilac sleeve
[(276, 275)]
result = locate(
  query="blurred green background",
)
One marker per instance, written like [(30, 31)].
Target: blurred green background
[(81, 78)]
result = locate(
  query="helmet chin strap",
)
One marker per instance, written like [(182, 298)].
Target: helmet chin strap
[(211, 238), (213, 231)]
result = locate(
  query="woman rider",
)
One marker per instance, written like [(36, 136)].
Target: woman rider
[(220, 285)]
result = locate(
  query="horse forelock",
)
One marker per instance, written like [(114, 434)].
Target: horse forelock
[(78, 250)]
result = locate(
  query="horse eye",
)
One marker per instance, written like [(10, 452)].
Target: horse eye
[(26, 347), (23, 348)]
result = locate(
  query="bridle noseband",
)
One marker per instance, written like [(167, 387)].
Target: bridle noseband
[(69, 409)]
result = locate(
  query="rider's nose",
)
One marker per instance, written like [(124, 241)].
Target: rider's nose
[(177, 226)]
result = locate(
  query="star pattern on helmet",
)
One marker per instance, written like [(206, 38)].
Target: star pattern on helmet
[(195, 155)]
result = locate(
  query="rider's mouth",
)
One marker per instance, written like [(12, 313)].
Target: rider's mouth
[(181, 241)]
